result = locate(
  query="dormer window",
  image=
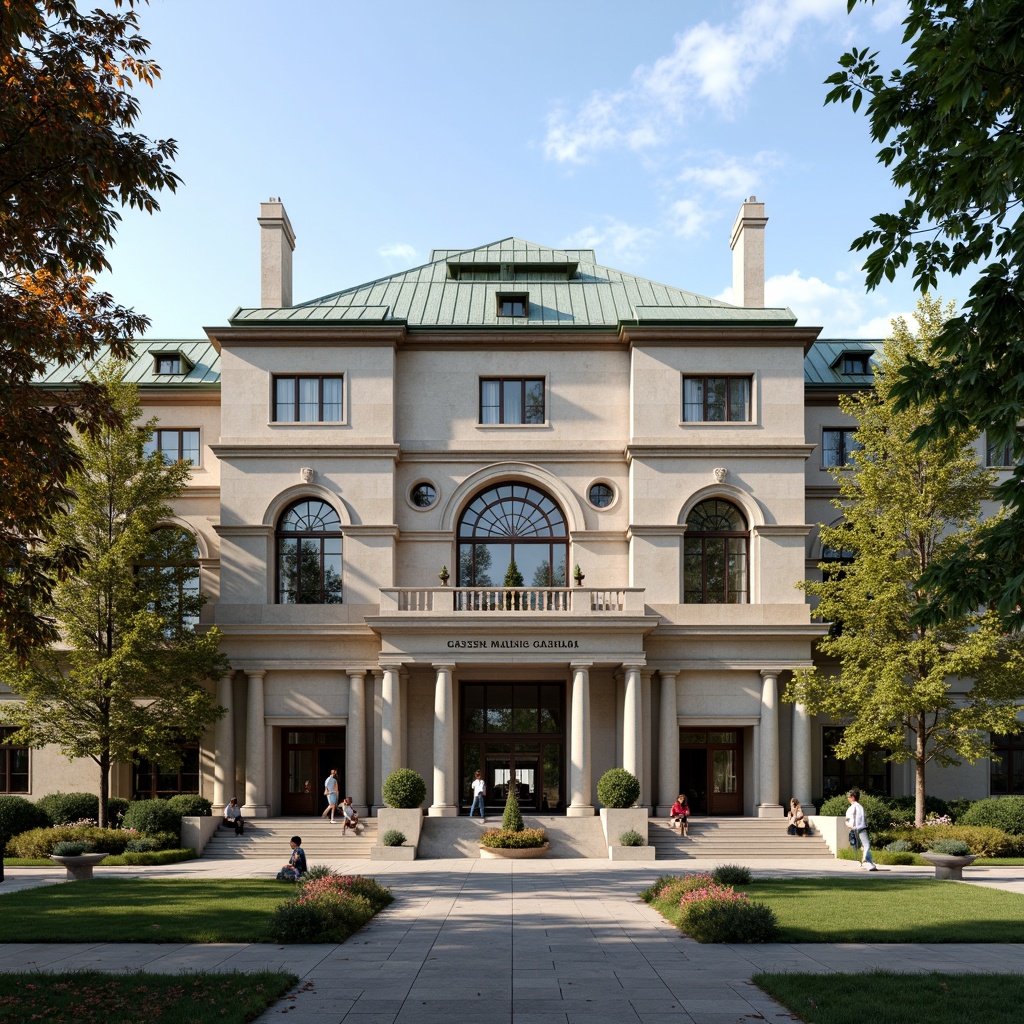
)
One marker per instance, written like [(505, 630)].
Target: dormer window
[(514, 305), (168, 363), (856, 364)]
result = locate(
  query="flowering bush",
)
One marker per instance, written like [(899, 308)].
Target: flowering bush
[(675, 886), (722, 919), (711, 891), (328, 908)]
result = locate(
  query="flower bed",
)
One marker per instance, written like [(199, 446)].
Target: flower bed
[(328, 907)]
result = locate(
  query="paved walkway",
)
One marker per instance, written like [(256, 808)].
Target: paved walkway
[(529, 942)]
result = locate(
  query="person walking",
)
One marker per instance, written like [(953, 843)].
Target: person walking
[(857, 822), (479, 792), (331, 792)]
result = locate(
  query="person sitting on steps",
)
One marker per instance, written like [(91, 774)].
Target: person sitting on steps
[(680, 814), (798, 823), (233, 816)]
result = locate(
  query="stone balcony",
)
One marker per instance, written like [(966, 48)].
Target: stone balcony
[(489, 600)]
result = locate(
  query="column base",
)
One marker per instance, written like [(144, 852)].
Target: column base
[(442, 811), (662, 810), (255, 811), (579, 811), (769, 810), (809, 809)]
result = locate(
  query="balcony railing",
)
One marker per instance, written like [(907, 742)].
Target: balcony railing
[(546, 600)]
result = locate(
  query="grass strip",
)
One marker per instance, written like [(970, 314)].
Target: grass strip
[(885, 997), (111, 860), (98, 997), (878, 909), (143, 910)]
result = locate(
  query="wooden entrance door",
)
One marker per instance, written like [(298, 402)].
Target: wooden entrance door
[(711, 770), (307, 756)]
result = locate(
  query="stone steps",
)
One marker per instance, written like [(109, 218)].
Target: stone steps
[(733, 838), (269, 837)]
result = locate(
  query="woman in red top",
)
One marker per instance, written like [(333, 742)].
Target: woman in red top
[(680, 814)]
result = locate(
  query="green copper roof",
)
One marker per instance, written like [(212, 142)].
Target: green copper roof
[(566, 288), (823, 363), (200, 366)]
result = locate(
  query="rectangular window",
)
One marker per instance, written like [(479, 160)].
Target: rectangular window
[(151, 780), (856, 363), (513, 305), (716, 399), (1007, 765), (837, 444), (13, 765), (998, 456), (168, 362), (175, 445), (512, 400), (869, 771), (307, 399)]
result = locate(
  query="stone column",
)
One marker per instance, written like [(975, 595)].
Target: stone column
[(632, 724), (403, 720), (769, 807), (355, 739), (375, 735), (444, 805), (390, 731), (802, 757), (668, 746), (255, 750), (224, 743), (579, 744), (646, 730)]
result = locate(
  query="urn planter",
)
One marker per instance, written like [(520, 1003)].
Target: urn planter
[(80, 866), (948, 865)]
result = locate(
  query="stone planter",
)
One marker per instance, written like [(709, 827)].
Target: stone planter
[(79, 866), (634, 853), (949, 866), (527, 853), (392, 853), (408, 821), (616, 820)]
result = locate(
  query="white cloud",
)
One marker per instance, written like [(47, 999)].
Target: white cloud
[(617, 240), (727, 177), (687, 218), (710, 65), (398, 253)]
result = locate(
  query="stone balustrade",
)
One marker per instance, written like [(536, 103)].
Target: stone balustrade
[(548, 600)]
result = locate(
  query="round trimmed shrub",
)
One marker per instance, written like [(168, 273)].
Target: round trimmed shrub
[(72, 848), (951, 847), (631, 838), (67, 808), (404, 788), (731, 874), (730, 920), (151, 816), (392, 838), (18, 815), (190, 805), (1005, 813), (618, 788)]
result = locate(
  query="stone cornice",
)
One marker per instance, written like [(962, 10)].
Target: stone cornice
[(674, 450), (763, 335), (285, 334), (787, 530), (307, 451)]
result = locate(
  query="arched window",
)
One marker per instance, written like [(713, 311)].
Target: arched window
[(715, 554), (512, 522), (171, 569), (309, 554)]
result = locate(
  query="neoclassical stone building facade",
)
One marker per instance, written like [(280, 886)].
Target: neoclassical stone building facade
[(508, 511)]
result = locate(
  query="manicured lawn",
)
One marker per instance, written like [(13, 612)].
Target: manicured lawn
[(886, 998), (879, 909), (96, 997), (130, 910)]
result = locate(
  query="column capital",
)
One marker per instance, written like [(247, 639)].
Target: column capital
[(773, 672), (362, 671), (638, 666), (450, 665), (581, 664), (669, 672), (391, 664), (255, 673)]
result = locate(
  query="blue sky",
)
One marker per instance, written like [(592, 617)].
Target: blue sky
[(393, 128)]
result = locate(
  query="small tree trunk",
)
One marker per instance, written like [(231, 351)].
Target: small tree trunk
[(919, 764), (104, 788)]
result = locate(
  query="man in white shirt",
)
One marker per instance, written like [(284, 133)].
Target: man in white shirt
[(857, 822), (331, 792)]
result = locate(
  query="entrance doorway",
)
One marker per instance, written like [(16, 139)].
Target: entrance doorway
[(514, 733), (307, 757), (711, 770)]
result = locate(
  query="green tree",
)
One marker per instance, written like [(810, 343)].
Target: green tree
[(513, 577), (951, 127), (125, 681), (70, 158), (925, 692)]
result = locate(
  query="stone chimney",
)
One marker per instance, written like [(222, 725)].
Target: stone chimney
[(277, 240), (747, 244)]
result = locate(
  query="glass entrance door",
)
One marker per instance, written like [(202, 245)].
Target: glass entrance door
[(514, 733), (307, 756), (710, 770)]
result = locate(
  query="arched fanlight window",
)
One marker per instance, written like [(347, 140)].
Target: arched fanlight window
[(715, 554), (309, 554), (171, 571), (512, 522)]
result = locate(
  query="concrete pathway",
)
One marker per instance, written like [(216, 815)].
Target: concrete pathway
[(530, 942)]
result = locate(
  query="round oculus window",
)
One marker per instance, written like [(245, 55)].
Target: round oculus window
[(601, 495), (423, 495)]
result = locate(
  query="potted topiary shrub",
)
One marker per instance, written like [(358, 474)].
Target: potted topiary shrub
[(513, 840), (950, 857), (77, 857), (619, 791), (404, 792)]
